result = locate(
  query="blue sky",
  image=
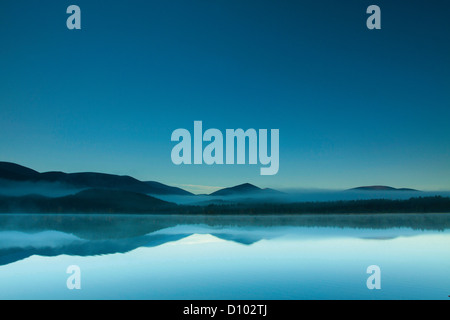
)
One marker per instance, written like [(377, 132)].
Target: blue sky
[(353, 106)]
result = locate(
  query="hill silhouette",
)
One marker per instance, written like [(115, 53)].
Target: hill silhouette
[(15, 172), (244, 189), (12, 171), (382, 188), (165, 189)]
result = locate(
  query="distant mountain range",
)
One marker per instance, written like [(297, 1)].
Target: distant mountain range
[(93, 180), (382, 188), (91, 192), (14, 172)]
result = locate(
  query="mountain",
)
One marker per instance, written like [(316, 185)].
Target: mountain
[(15, 172), (382, 188), (165, 189), (87, 201), (244, 189), (12, 171)]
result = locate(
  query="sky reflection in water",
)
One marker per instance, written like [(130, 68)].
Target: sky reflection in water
[(249, 259)]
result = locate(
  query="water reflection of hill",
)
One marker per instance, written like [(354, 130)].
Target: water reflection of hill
[(124, 226), (9, 252), (22, 236)]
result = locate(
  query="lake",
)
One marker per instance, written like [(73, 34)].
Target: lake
[(225, 257)]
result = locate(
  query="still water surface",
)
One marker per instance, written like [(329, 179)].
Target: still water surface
[(232, 257)]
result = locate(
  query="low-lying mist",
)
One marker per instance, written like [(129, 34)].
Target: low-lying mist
[(303, 195), (47, 189)]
